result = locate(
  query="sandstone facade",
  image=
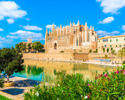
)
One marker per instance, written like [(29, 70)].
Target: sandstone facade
[(71, 37)]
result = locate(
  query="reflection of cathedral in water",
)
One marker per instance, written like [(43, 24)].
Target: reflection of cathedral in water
[(45, 71)]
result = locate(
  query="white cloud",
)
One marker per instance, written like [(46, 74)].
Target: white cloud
[(107, 20), (1, 29), (10, 21), (50, 26), (112, 6), (102, 33), (27, 19), (25, 34), (1, 45), (11, 9), (36, 28), (4, 40), (1, 17), (123, 27), (12, 37)]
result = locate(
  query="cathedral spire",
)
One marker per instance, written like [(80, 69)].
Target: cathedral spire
[(93, 28), (53, 26), (70, 24), (86, 24), (90, 27), (46, 31), (63, 30), (60, 26), (78, 23)]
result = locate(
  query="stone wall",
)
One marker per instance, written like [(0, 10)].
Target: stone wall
[(49, 56), (69, 56), (81, 56)]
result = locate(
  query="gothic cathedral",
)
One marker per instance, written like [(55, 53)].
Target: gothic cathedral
[(71, 37)]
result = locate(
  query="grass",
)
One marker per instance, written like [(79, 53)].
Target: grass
[(4, 98)]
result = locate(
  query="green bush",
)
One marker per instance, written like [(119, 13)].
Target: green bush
[(73, 87), (90, 51), (124, 62), (80, 50), (61, 51), (95, 51), (84, 60)]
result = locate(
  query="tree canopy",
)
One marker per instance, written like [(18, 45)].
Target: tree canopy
[(10, 61), (20, 47), (37, 46)]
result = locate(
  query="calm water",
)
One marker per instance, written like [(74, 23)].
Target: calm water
[(45, 71)]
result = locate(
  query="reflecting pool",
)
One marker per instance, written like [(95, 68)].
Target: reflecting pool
[(45, 71)]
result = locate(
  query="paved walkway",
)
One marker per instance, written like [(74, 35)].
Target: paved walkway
[(21, 85), (102, 63)]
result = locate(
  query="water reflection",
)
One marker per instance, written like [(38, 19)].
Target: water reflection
[(45, 71)]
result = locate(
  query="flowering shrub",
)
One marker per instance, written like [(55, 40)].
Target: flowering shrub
[(73, 87)]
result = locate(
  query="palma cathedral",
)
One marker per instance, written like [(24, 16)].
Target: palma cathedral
[(72, 37)]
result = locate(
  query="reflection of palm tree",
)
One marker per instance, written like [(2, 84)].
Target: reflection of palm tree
[(29, 70)]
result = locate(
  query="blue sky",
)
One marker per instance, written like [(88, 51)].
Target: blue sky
[(20, 19)]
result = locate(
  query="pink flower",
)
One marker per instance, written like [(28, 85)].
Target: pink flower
[(117, 72), (88, 96), (105, 75), (124, 73), (100, 75), (121, 70), (88, 84)]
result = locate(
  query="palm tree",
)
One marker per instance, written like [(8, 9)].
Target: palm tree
[(106, 57), (121, 53), (113, 53)]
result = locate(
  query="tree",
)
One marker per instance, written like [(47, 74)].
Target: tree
[(121, 53), (10, 61), (37, 46), (113, 53), (20, 47), (103, 50), (29, 47), (107, 50), (24, 47), (17, 47), (90, 51)]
